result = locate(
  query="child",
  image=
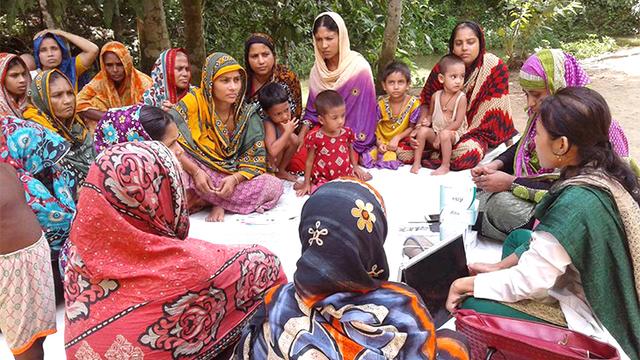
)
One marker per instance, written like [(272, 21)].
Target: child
[(330, 154), (398, 113), (279, 137), (447, 115)]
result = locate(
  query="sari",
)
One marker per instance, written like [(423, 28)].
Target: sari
[(219, 152), (119, 125), (388, 127), (280, 74), (489, 121), (70, 65), (35, 153), (353, 80), (8, 105), (81, 154), (101, 94), (163, 86), (340, 305), (135, 285)]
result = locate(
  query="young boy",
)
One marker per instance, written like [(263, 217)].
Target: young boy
[(330, 153), (279, 137), (398, 113), (446, 121)]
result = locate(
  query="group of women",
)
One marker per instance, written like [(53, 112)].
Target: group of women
[(129, 156)]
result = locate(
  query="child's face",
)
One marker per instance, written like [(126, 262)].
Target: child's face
[(333, 120), (280, 113), (453, 78), (396, 85)]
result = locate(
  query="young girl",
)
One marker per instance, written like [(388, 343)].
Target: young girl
[(330, 152), (445, 123), (398, 113)]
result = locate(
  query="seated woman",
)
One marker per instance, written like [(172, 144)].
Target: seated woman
[(340, 303), (515, 181), (339, 68), (486, 86), (35, 153), (51, 51), (262, 69), (135, 285), (171, 77), (224, 139), (117, 84), (584, 255), (14, 83), (53, 105)]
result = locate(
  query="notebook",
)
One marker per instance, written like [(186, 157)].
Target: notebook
[(432, 271)]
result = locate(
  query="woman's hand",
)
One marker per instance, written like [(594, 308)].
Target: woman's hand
[(383, 148), (203, 182), (227, 186), (361, 174), (302, 189), (393, 144), (494, 181), (167, 105), (459, 290)]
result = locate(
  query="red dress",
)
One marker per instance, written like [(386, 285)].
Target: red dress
[(332, 158)]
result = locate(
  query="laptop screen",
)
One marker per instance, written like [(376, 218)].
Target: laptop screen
[(433, 274)]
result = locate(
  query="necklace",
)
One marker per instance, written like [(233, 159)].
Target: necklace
[(446, 105)]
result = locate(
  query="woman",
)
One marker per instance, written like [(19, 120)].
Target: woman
[(584, 255), (117, 84), (14, 82), (51, 51), (135, 285), (35, 153), (515, 181), (171, 75), (225, 142), (53, 105), (338, 68), (340, 303), (486, 85), (262, 69)]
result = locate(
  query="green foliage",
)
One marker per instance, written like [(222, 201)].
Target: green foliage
[(593, 45)]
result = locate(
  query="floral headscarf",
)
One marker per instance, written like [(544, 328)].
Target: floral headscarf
[(164, 82), (8, 106)]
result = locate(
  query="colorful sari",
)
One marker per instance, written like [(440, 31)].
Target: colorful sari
[(101, 94), (489, 121), (553, 69), (340, 305), (8, 105), (71, 66), (135, 285), (35, 153), (164, 87), (118, 126), (280, 74), (388, 127), (81, 153), (353, 79), (219, 152)]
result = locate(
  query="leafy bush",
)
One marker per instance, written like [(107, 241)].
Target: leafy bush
[(593, 45)]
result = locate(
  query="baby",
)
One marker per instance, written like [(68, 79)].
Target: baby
[(279, 138), (446, 121), (330, 153)]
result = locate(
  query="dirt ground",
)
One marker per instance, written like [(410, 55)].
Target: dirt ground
[(616, 77)]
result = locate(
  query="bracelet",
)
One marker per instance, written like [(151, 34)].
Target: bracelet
[(307, 123), (236, 179)]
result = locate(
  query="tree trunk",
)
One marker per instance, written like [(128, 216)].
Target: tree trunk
[(46, 15), (390, 39), (152, 33), (194, 37)]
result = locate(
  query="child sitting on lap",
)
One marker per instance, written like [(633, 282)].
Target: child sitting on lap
[(279, 138), (398, 113), (446, 121), (330, 153)]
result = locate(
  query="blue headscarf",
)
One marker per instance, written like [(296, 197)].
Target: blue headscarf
[(68, 64)]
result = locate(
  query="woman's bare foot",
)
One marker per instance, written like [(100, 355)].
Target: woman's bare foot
[(415, 168), (298, 185), (285, 175), (215, 215), (479, 268), (441, 170)]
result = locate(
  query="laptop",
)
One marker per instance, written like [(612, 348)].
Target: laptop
[(432, 271)]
